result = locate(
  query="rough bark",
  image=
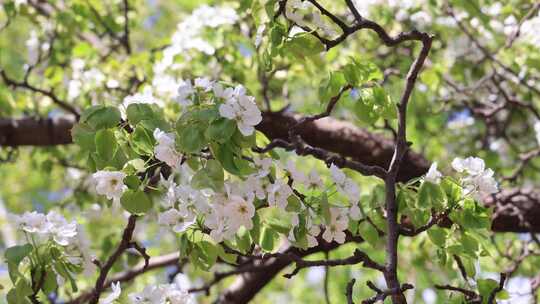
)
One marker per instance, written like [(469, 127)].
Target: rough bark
[(30, 131)]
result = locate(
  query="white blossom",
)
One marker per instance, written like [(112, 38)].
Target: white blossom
[(344, 184), (262, 165), (240, 211), (185, 93), (298, 177), (256, 186), (220, 224), (537, 131), (221, 92), (477, 180), (162, 294), (115, 294), (244, 111), (354, 212), (204, 83), (334, 229), (278, 193), (110, 184), (325, 27), (32, 45), (188, 34), (312, 233), (470, 165), (32, 222), (61, 231), (313, 180), (177, 220), (52, 225), (165, 149), (421, 19), (259, 35), (433, 175)]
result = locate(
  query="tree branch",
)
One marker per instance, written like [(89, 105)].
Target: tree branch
[(125, 243)]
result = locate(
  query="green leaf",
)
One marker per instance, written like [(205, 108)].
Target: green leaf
[(437, 236), (419, 217), (503, 295), (136, 112), (208, 253), (325, 207), (225, 155), (384, 105), (211, 176), (191, 139), (49, 283), (83, 135), (61, 269), (17, 253), (255, 232), (293, 204), (132, 181), (304, 45), (470, 244), (330, 87), (430, 195), (243, 240), (106, 145), (221, 130), (135, 165), (227, 257), (452, 190), (13, 298), (486, 286), (364, 110), (101, 117), (351, 74), (267, 239), (136, 201), (143, 141), (23, 288), (368, 232)]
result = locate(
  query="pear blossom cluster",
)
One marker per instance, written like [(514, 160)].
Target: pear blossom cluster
[(347, 187), (182, 204), (336, 226), (51, 225), (162, 294), (235, 207), (110, 183), (239, 107), (478, 180), (236, 104)]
